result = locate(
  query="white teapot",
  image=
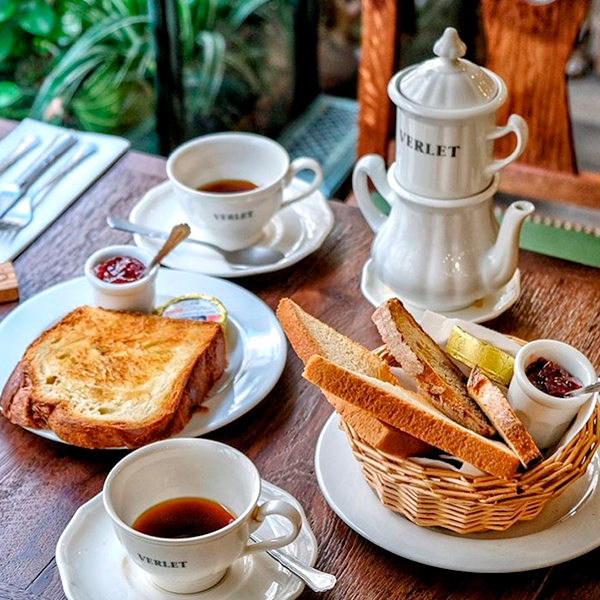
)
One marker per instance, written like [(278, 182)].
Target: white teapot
[(434, 253)]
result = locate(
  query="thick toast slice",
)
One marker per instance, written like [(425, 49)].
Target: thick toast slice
[(495, 405), (103, 379), (309, 336), (412, 414), (436, 375)]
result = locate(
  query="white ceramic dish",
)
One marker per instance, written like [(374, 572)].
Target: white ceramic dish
[(93, 565), (256, 346), (296, 230), (485, 309), (567, 527)]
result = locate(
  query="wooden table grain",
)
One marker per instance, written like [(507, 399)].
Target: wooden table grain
[(42, 483)]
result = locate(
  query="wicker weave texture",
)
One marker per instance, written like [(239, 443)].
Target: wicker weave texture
[(435, 497)]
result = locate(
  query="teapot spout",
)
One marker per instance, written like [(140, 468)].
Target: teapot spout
[(500, 261)]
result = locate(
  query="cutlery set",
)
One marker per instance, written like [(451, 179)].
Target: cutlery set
[(19, 196)]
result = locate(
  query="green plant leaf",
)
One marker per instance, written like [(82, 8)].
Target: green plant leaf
[(244, 10), (38, 18), (7, 39), (7, 9), (9, 93)]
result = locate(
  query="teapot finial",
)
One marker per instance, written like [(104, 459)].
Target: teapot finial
[(450, 45)]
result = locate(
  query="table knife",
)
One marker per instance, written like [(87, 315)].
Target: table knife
[(11, 192), (26, 145)]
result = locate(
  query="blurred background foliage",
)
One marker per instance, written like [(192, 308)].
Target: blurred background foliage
[(90, 64)]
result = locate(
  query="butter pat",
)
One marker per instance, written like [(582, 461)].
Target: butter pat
[(197, 307), (471, 351)]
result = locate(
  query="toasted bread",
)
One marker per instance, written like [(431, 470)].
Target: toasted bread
[(436, 375), (495, 405), (412, 414), (309, 336), (103, 379)]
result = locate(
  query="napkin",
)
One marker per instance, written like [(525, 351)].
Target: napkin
[(110, 148)]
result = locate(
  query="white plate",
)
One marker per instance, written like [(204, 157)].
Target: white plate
[(256, 346), (566, 528), (93, 565), (490, 307), (297, 231)]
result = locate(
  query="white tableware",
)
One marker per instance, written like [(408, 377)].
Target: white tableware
[(297, 231), (442, 255), (93, 565), (235, 220), (483, 309), (136, 296), (566, 528), (66, 191), (256, 346), (547, 417), (191, 468), (445, 123)]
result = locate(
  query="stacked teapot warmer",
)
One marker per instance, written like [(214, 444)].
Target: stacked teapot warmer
[(441, 247)]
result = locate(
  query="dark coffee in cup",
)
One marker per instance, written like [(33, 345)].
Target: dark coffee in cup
[(227, 186)]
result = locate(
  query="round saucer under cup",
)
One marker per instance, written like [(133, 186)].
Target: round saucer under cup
[(136, 296)]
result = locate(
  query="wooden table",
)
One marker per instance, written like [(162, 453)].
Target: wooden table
[(42, 483)]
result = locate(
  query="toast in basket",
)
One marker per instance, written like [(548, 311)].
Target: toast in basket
[(309, 336), (421, 358), (103, 379)]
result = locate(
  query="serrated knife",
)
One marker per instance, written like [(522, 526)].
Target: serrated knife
[(11, 192)]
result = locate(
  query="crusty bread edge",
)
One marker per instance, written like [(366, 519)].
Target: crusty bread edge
[(386, 403), (497, 408), (430, 383)]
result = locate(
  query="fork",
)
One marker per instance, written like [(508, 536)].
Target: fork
[(21, 214)]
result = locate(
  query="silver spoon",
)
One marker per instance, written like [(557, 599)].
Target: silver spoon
[(587, 389), (252, 256), (317, 581), (178, 234)]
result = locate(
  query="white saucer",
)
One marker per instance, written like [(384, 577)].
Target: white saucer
[(566, 528), (256, 346), (297, 231), (93, 565), (490, 307)]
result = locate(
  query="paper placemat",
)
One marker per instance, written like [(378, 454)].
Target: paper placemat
[(110, 148)]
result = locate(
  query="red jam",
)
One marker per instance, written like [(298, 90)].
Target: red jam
[(551, 378), (120, 269)]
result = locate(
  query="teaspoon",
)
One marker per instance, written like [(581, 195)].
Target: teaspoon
[(252, 256), (588, 389)]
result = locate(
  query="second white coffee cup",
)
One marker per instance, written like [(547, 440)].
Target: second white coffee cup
[(191, 468), (236, 220)]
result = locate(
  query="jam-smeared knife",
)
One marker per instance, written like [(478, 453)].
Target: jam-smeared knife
[(12, 191)]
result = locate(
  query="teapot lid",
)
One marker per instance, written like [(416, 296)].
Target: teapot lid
[(449, 81)]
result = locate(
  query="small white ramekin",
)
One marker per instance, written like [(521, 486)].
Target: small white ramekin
[(547, 417), (137, 296)]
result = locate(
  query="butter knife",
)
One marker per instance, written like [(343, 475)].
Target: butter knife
[(317, 581), (11, 192)]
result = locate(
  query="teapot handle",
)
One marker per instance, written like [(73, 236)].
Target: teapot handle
[(516, 125), (371, 166)]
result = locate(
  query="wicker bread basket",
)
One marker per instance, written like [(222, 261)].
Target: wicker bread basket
[(463, 503)]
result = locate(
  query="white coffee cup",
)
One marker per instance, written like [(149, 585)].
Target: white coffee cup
[(236, 220), (187, 467)]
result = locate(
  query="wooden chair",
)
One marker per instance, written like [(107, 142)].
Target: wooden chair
[(528, 45)]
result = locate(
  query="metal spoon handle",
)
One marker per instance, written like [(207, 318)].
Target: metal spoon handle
[(177, 235), (588, 389), (316, 580)]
